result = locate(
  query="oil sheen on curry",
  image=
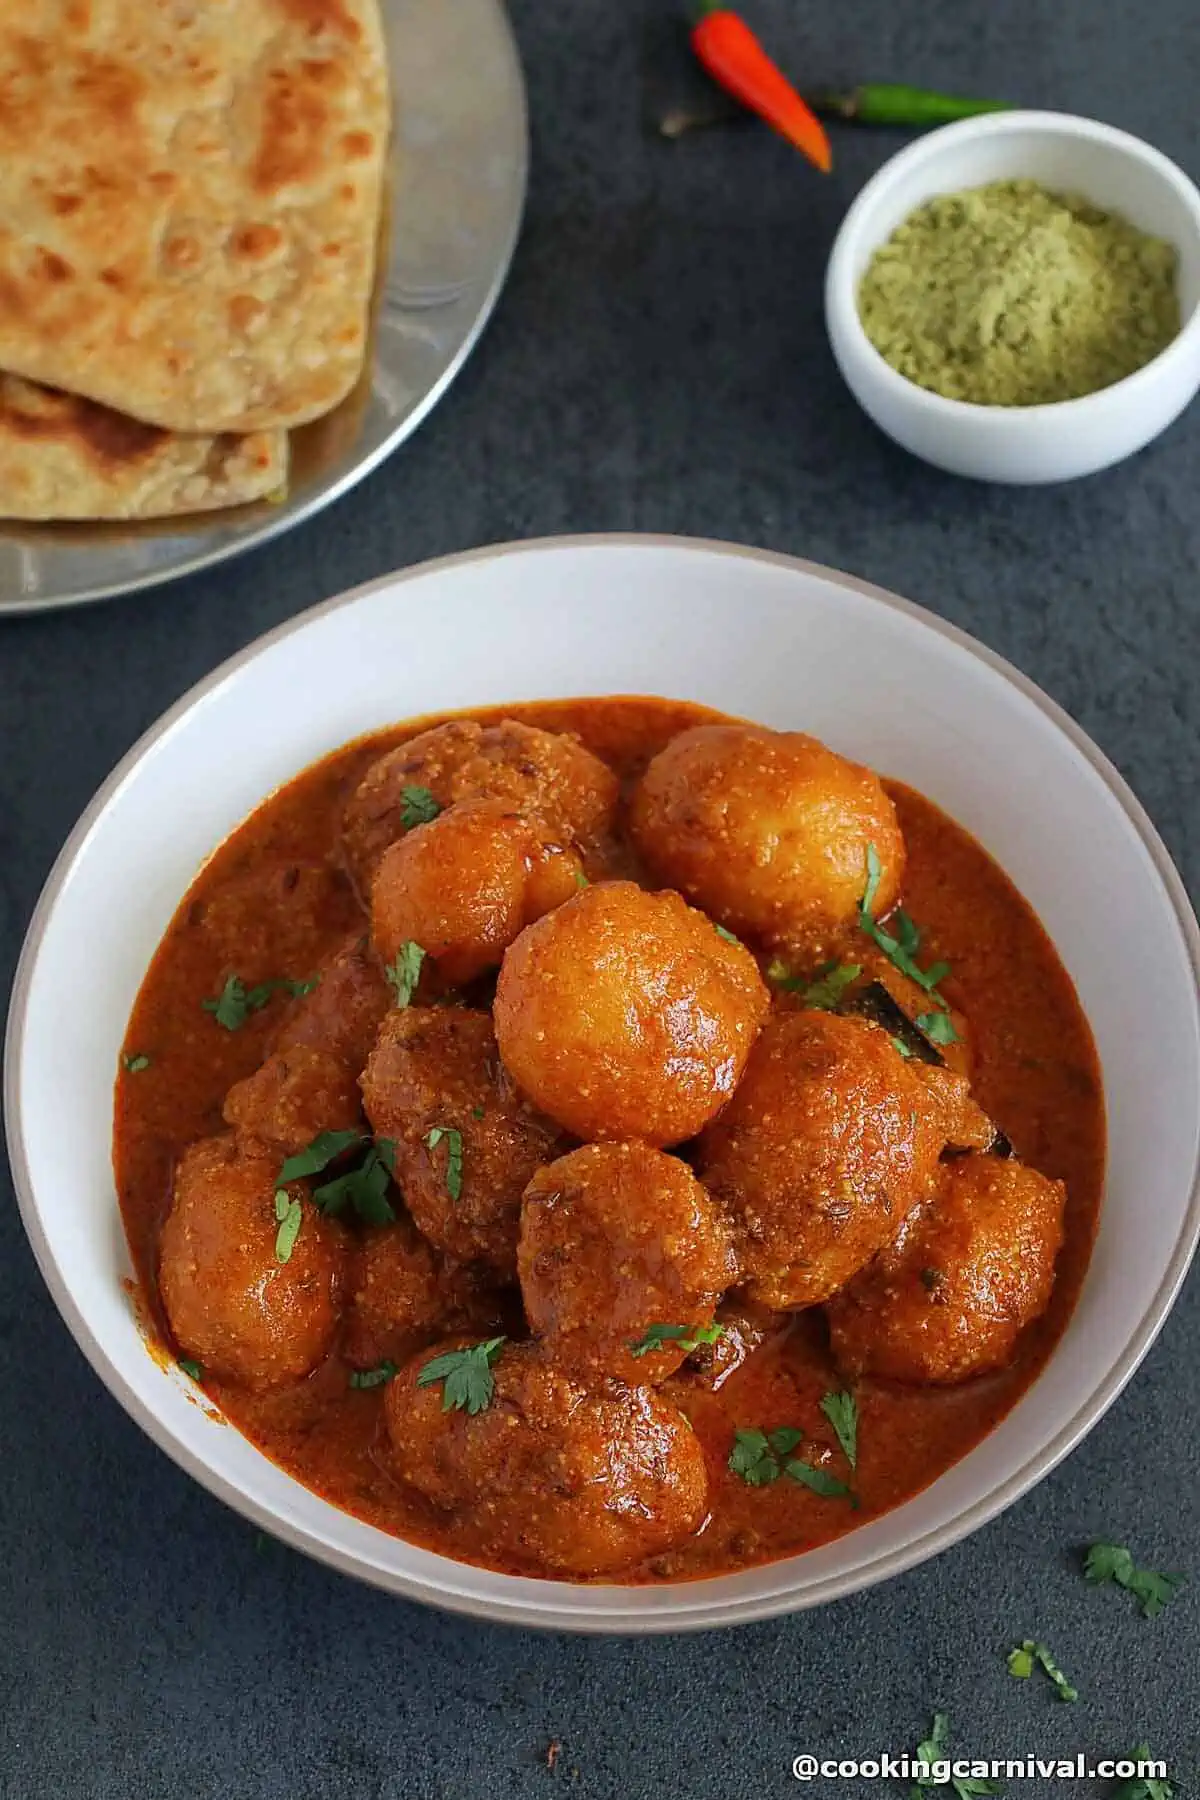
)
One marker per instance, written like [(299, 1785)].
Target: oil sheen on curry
[(608, 1141)]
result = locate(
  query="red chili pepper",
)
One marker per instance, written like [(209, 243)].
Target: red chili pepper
[(734, 57)]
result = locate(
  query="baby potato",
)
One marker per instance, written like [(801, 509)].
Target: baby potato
[(969, 1270), (547, 775), (243, 1314), (768, 831), (559, 1480), (466, 884), (295, 1095), (829, 1142), (626, 1015), (617, 1239), (467, 1144)]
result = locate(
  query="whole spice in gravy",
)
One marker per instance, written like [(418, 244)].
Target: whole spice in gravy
[(1011, 295)]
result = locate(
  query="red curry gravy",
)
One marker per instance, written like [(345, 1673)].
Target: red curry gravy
[(273, 902)]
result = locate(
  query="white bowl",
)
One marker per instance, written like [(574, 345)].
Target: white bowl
[(1022, 444), (761, 635)]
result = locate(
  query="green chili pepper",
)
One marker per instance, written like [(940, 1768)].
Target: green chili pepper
[(886, 103)]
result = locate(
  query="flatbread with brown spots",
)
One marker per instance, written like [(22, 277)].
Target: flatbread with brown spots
[(66, 458), (189, 203)]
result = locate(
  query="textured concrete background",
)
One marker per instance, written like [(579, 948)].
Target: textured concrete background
[(657, 363)]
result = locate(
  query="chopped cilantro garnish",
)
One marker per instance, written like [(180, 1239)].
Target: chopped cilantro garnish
[(419, 806), (821, 992), (325, 1148), (900, 945), (191, 1368), (466, 1376), (899, 1045), (405, 972), (1151, 1587), (819, 1480), (842, 1412), (937, 1026), (581, 880), (365, 1189), (1144, 1787), (454, 1156), (688, 1337), (235, 1003), (135, 1064), (933, 1749), (289, 1215), (372, 1378), (724, 932), (299, 988), (1029, 1654), (477, 1112)]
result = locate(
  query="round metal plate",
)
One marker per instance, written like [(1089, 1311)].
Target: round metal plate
[(457, 186)]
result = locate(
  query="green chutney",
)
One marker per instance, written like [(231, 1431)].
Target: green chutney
[(1011, 295)]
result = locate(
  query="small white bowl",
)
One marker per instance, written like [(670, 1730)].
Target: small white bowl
[(763, 636), (1021, 444)]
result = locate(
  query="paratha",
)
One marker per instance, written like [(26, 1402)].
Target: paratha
[(66, 458), (189, 203)]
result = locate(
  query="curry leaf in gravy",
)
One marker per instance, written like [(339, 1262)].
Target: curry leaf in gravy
[(289, 1215), (379, 1376), (688, 1337), (466, 1376), (135, 1064), (1152, 1588), (454, 1156), (419, 807), (842, 1412), (405, 972), (191, 1368), (325, 1148)]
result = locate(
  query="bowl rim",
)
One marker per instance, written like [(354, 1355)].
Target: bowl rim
[(841, 302), (517, 1612)]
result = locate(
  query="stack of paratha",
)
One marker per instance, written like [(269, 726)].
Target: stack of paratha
[(189, 215)]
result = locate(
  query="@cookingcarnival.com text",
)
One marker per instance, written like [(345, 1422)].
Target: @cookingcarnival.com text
[(944, 1769)]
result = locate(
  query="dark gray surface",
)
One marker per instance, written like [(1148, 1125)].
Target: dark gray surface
[(658, 363)]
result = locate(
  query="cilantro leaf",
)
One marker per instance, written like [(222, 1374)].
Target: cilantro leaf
[(933, 1749), (192, 1368), (365, 1188), (753, 1459), (937, 1026), (785, 1439), (842, 1412), (826, 992), (723, 932), (418, 808), (135, 1064), (290, 1216), (372, 1378), (405, 972), (325, 1148), (689, 1337), (1029, 1654), (1153, 1588), (454, 1156), (235, 1003), (466, 1376), (298, 989), (820, 1481), (581, 880), (900, 1045), (901, 946), (1143, 1787)]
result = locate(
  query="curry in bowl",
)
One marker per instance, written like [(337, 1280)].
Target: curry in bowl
[(607, 1141)]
